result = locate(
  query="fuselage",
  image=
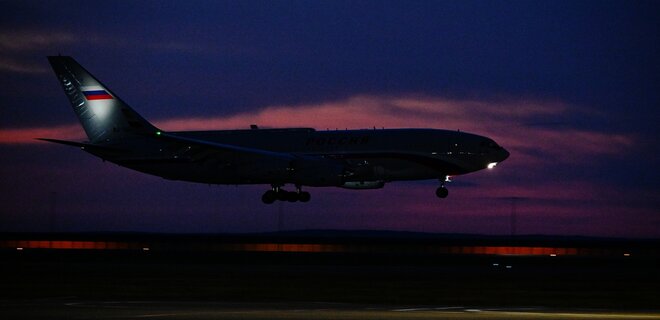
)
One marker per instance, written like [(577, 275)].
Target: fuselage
[(367, 155)]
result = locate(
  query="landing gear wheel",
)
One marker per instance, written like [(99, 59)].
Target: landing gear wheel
[(278, 194), (282, 195), (291, 196), (442, 192), (269, 197), (304, 196)]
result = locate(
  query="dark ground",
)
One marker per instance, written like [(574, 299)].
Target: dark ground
[(379, 279)]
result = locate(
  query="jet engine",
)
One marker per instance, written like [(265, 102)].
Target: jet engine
[(363, 185)]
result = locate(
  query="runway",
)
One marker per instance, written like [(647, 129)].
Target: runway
[(67, 308)]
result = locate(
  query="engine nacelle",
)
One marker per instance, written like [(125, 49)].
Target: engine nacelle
[(363, 185)]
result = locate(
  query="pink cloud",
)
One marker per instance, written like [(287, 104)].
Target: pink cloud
[(502, 120)]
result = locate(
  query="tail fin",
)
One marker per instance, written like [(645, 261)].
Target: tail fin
[(103, 115)]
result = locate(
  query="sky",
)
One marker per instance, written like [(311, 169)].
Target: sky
[(570, 88)]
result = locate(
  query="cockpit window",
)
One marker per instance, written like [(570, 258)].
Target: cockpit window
[(490, 144)]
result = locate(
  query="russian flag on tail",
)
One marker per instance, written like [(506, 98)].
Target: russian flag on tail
[(97, 95)]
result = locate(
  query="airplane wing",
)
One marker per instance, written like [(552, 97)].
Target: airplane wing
[(192, 150), (81, 145), (227, 147)]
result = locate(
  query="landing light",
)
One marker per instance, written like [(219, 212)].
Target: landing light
[(491, 165)]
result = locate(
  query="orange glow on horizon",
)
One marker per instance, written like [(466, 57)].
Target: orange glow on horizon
[(22, 245), (67, 244)]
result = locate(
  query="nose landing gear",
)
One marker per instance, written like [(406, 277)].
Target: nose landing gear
[(277, 193), (442, 191)]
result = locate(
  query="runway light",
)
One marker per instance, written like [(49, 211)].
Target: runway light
[(491, 165)]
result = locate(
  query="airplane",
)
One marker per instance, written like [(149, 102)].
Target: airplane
[(302, 157)]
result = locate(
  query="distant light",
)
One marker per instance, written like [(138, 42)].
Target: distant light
[(491, 165), (509, 267), (19, 249), (145, 249), (496, 264), (553, 254), (158, 133), (626, 254)]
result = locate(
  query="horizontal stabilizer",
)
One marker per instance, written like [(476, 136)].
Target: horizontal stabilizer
[(81, 145)]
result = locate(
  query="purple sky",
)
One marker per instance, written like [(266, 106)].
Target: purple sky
[(570, 89)]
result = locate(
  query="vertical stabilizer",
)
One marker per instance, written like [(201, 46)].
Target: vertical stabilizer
[(103, 115)]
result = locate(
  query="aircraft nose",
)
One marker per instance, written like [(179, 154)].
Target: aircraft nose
[(497, 157), (504, 154)]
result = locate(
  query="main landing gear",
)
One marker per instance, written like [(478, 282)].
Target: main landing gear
[(277, 193)]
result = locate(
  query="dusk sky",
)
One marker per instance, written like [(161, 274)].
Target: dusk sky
[(570, 88)]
